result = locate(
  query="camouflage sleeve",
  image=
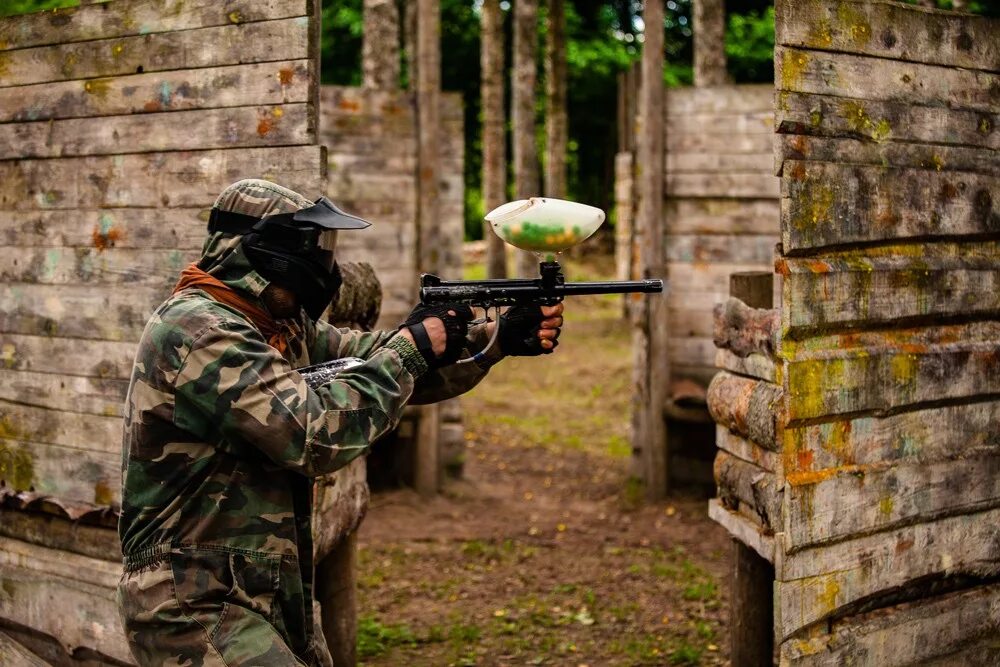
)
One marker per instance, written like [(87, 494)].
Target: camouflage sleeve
[(327, 342), (235, 390)]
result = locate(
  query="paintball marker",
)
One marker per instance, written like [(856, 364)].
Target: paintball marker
[(544, 226)]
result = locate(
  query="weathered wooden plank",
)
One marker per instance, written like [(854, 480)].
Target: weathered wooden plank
[(846, 75), (747, 407), (92, 395), (286, 39), (898, 635), (33, 577), (236, 127), (744, 330), (729, 248), (259, 84), (814, 584), (746, 98), (61, 534), (889, 30), (885, 121), (826, 203), (727, 144), (722, 185), (747, 450), (93, 266), (178, 179), (78, 311), (704, 280), (755, 366), (725, 122), (723, 216), (341, 502), (138, 17), (695, 351), (929, 436), (68, 473), (958, 280), (721, 163), (742, 529), (15, 655), (858, 500), (172, 228), (67, 356), (95, 433), (749, 487), (690, 322), (933, 158)]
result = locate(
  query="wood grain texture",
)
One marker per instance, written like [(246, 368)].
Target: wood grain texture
[(67, 356), (62, 534), (742, 484), (84, 475), (751, 185), (728, 143), (138, 17), (744, 330), (259, 84), (814, 584), (721, 248), (747, 407), (721, 215), (846, 75), (96, 433), (155, 180), (747, 450), (285, 39), (736, 120), (755, 366), (93, 266), (16, 655), (754, 163), (121, 228), (828, 203), (91, 395), (742, 529), (889, 30), (748, 98), (278, 125)]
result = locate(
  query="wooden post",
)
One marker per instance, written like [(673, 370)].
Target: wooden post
[(336, 591), (427, 475), (380, 45), (494, 121), (650, 339), (556, 127), (523, 113), (709, 43)]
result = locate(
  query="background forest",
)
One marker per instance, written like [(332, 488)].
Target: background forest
[(602, 40)]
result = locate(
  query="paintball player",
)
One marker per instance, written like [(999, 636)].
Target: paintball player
[(223, 436)]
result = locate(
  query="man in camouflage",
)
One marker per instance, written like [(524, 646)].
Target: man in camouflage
[(223, 438)]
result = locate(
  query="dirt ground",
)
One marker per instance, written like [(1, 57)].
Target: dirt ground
[(544, 553)]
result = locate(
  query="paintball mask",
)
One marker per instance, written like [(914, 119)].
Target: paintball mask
[(286, 248)]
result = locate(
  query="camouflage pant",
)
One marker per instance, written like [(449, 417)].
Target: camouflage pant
[(207, 608)]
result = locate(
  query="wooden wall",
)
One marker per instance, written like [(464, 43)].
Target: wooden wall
[(877, 466), (371, 140), (119, 125)]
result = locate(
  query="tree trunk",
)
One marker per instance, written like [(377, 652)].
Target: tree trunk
[(494, 143), (410, 42), (710, 43), (555, 96), (523, 93), (380, 48), (429, 257), (650, 343)]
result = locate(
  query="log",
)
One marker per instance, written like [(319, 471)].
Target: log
[(835, 580), (284, 39), (61, 534), (756, 366), (743, 483), (237, 127), (155, 180), (827, 204), (722, 216), (138, 17), (846, 75), (743, 330), (897, 636), (747, 407), (341, 503), (909, 34), (741, 448), (259, 84)]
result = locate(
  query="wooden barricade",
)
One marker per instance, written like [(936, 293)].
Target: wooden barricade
[(862, 454)]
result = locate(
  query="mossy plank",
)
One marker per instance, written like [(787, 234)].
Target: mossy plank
[(156, 180), (138, 17), (33, 576), (722, 215), (882, 122), (837, 579), (285, 39), (235, 127), (748, 407), (91, 395), (867, 78), (181, 229), (68, 473), (746, 486), (272, 83), (96, 433), (889, 30), (960, 622)]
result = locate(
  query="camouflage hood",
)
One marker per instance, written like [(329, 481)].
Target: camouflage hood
[(221, 256)]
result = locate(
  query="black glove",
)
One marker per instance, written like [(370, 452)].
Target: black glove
[(519, 332), (456, 329)]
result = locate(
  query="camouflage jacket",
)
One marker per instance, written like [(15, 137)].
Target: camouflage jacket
[(223, 437)]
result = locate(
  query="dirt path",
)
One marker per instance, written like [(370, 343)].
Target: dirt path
[(543, 553)]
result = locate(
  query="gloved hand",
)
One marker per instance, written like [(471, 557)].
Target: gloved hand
[(523, 328), (439, 344)]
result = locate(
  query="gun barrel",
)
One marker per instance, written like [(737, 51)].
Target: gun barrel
[(508, 292)]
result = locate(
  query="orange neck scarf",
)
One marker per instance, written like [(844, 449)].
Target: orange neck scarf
[(275, 333)]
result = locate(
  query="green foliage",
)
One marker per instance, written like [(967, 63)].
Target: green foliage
[(750, 46), (15, 7), (340, 44), (376, 639)]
